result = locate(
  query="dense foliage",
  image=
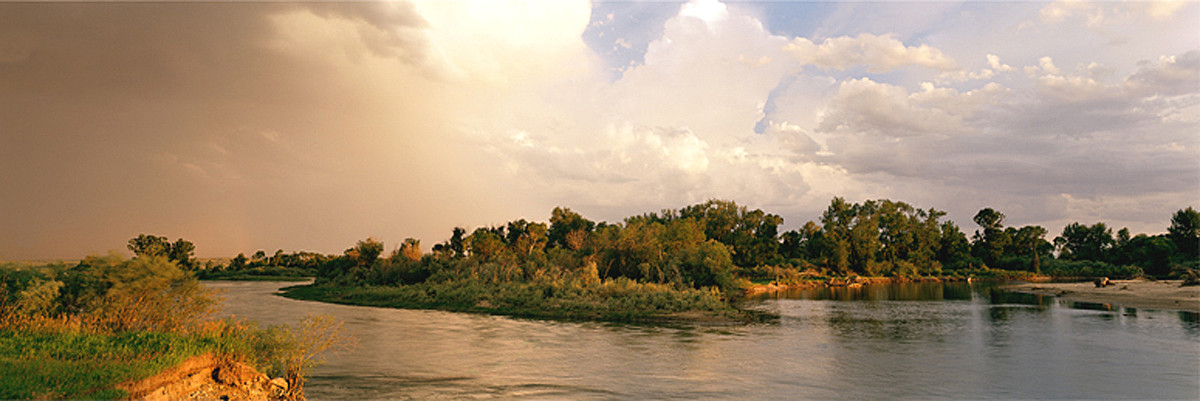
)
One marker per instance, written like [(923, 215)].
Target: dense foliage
[(78, 331), (719, 244)]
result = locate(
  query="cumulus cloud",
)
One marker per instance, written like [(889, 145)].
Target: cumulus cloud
[(877, 53), (308, 126), (1169, 75), (1066, 134)]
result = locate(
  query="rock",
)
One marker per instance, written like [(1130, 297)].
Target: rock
[(236, 374), (279, 383), (1191, 277), (204, 377)]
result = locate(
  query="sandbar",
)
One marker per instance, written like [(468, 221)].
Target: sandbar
[(1138, 293)]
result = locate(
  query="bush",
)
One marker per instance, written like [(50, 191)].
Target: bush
[(1088, 268)]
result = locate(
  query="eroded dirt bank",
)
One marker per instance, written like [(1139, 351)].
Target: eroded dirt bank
[(207, 377)]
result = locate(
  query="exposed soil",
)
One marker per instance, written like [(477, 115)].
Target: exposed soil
[(206, 377)]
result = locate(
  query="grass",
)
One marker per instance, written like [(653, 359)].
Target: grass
[(617, 300), (74, 363)]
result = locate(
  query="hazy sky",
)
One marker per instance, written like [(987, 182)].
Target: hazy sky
[(308, 126)]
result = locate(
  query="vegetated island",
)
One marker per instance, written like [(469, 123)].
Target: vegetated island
[(695, 264)]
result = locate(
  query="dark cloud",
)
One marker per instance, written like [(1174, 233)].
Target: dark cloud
[(185, 119)]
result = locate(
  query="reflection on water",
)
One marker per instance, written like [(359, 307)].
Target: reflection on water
[(925, 340)]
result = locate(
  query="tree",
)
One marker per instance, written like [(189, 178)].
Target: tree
[(238, 262), (526, 238), (365, 252), (1082, 242), (990, 244), (836, 223), (144, 293), (751, 235), (484, 244), (181, 253), (410, 249), (453, 247), (1029, 241), (953, 248), (989, 218), (1152, 254), (1185, 233), (149, 245), (568, 229)]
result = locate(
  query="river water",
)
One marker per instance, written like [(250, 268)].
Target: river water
[(923, 341)]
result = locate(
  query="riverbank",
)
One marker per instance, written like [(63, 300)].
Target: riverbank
[(52, 360), (1138, 293), (855, 282), (207, 377)]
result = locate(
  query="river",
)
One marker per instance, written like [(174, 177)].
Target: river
[(930, 340)]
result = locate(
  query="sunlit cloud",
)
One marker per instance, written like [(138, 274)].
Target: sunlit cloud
[(311, 125)]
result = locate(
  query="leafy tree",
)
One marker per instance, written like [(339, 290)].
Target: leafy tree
[(836, 224), (181, 253), (568, 229), (953, 248), (793, 245), (1152, 254), (1185, 232), (238, 262), (484, 244), (990, 244), (150, 245), (526, 238), (453, 247), (1029, 243), (365, 252), (144, 293), (410, 249), (1082, 242), (751, 235), (704, 265)]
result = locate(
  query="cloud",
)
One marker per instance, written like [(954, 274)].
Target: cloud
[(865, 107), (247, 126), (1170, 75), (1100, 14), (877, 53), (1063, 137)]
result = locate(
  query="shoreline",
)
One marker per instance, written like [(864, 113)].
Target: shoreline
[(1137, 293), (855, 282), (360, 296)]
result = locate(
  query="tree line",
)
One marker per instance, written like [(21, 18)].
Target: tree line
[(718, 242)]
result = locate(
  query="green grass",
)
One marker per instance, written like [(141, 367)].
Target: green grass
[(614, 300), (73, 364), (50, 364)]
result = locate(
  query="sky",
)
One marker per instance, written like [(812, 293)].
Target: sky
[(243, 126)]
